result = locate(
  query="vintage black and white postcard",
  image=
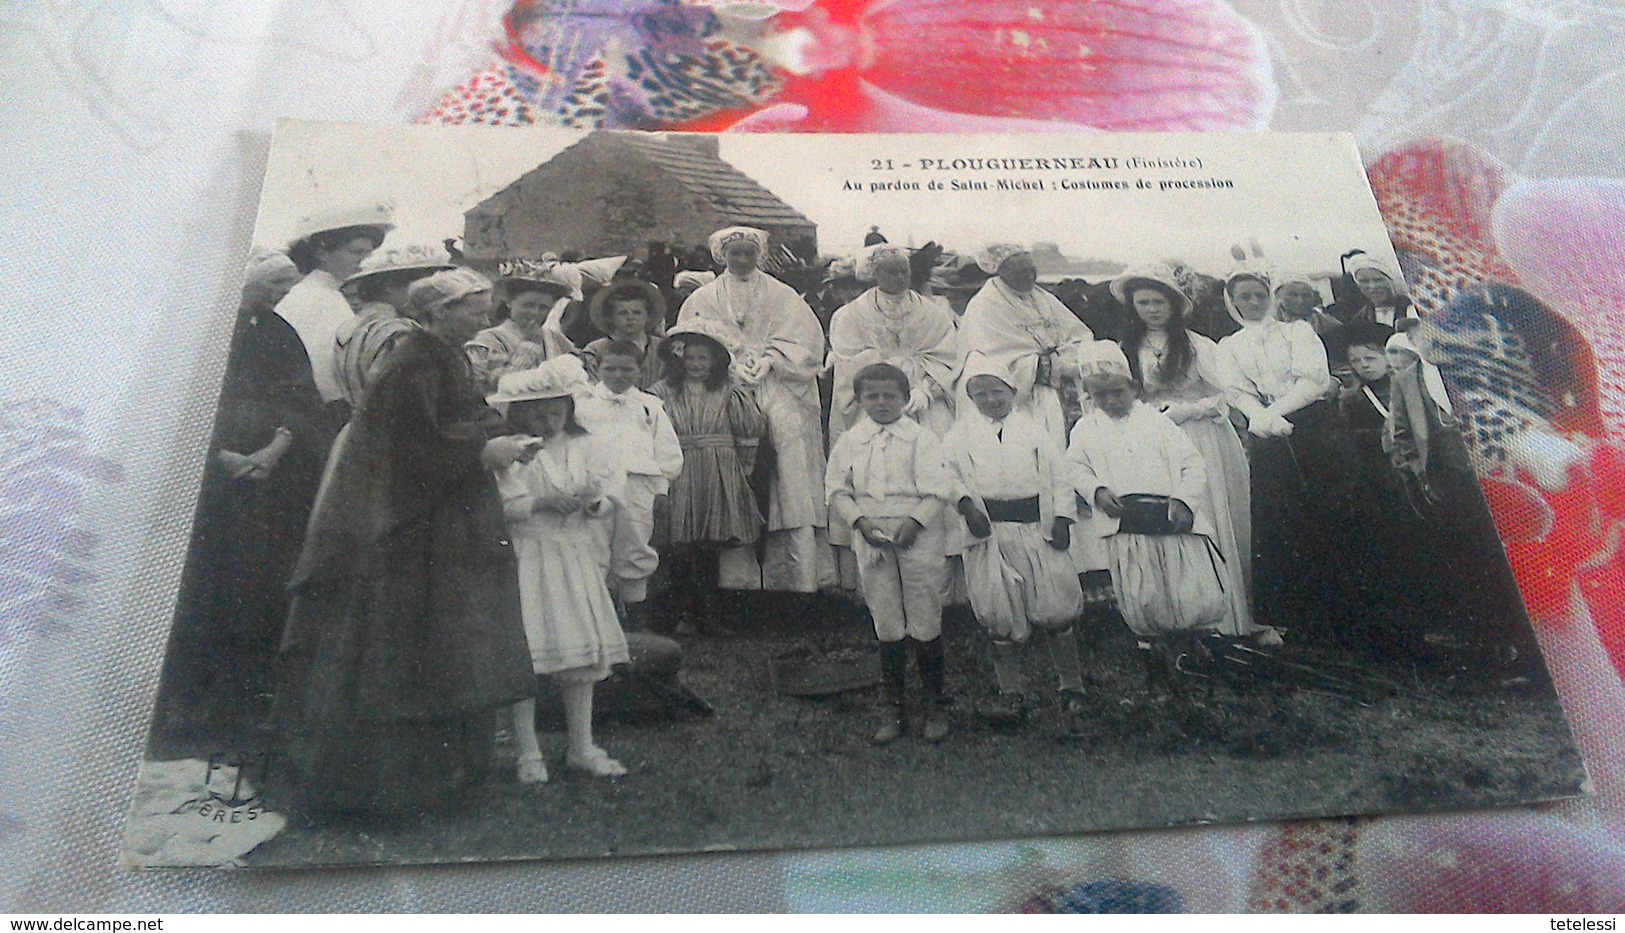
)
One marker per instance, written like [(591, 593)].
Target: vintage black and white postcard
[(587, 494)]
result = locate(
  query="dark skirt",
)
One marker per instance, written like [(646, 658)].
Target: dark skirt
[(1300, 510), (339, 768), (1461, 582), (392, 677), (220, 665)]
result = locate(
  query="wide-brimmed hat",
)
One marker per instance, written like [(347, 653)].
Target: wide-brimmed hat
[(411, 257), (704, 328), (533, 272), (558, 377), (377, 216), (598, 310), (839, 268), (443, 288), (1123, 286)]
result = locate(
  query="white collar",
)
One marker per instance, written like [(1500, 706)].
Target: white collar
[(904, 428), (599, 390)]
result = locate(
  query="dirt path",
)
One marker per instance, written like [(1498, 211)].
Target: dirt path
[(770, 772)]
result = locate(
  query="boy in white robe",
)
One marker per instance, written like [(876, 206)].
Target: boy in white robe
[(1165, 574), (888, 483), (633, 427), (1015, 495)]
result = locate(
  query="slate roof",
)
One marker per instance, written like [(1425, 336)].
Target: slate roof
[(729, 191)]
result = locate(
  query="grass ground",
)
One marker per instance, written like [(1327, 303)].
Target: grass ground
[(770, 771)]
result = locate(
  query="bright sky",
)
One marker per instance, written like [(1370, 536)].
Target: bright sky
[(1302, 197)]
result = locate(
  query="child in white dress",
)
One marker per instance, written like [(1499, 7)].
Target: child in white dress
[(632, 427), (1014, 492), (559, 506)]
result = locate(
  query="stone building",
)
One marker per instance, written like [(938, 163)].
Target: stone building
[(613, 193)]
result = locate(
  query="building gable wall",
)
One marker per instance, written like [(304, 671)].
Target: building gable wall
[(600, 197)]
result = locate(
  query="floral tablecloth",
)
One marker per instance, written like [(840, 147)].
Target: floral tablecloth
[(1494, 132)]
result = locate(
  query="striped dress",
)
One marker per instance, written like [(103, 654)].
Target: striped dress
[(711, 500)]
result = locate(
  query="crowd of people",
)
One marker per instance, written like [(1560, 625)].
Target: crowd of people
[(428, 486)]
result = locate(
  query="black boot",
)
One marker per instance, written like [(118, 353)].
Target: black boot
[(893, 670), (933, 676), (1009, 711)]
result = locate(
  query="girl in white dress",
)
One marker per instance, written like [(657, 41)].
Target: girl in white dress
[(559, 511)]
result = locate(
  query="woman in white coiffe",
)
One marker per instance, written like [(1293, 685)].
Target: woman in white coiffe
[(1276, 375), (892, 323), (1026, 331), (781, 351)]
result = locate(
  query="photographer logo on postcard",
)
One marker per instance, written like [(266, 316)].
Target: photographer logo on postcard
[(585, 494)]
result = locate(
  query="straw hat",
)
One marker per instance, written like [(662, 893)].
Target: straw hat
[(1124, 285), (713, 331), (557, 378), (443, 288), (378, 216), (533, 272), (426, 257), (598, 309)]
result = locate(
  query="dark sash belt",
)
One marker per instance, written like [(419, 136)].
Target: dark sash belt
[(1024, 511)]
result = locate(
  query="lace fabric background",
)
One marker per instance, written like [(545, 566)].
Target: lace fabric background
[(136, 134)]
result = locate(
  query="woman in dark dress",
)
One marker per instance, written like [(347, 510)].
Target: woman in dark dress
[(271, 437), (405, 635), (1276, 375)]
